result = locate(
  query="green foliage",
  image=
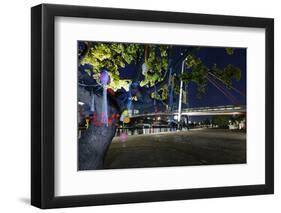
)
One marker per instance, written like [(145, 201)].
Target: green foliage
[(238, 118), (198, 73), (222, 121), (112, 56), (156, 62), (88, 71), (229, 50), (161, 94), (227, 74), (191, 61)]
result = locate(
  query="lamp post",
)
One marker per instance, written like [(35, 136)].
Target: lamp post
[(180, 97)]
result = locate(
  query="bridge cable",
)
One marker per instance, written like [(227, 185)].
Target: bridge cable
[(221, 90), (232, 87), (226, 92)]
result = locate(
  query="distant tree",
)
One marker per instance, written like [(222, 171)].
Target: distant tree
[(222, 121), (207, 121)]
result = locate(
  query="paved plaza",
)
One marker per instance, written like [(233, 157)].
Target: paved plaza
[(185, 148)]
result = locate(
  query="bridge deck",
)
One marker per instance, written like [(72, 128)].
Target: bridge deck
[(202, 111)]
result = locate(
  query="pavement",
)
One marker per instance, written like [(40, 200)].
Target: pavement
[(185, 148)]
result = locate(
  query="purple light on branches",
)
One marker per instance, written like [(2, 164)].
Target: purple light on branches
[(104, 77)]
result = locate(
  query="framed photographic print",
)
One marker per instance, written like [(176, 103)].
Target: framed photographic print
[(139, 106)]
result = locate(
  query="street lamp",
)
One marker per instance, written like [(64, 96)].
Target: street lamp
[(180, 97)]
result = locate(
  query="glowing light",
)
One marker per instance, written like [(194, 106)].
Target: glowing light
[(93, 103), (104, 106), (123, 137), (125, 113), (126, 120), (104, 77)]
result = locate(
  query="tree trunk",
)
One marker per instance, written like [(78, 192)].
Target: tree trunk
[(95, 141)]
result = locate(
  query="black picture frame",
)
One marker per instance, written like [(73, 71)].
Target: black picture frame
[(43, 117)]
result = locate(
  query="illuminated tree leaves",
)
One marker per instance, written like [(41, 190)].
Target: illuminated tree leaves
[(229, 50), (116, 55), (113, 56)]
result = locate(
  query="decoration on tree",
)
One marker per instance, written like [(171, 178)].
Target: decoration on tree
[(144, 68), (126, 120), (104, 79), (122, 118), (111, 92), (87, 122), (93, 103), (123, 137)]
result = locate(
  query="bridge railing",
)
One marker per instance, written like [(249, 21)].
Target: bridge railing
[(198, 110)]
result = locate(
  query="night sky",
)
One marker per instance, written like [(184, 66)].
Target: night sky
[(209, 56), (213, 96)]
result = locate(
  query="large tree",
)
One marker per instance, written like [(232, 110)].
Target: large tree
[(157, 72)]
